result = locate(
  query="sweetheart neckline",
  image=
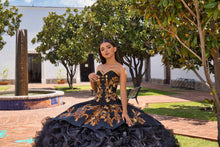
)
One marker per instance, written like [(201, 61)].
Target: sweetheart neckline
[(103, 73)]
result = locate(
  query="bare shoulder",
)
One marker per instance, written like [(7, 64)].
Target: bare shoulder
[(121, 69), (98, 67)]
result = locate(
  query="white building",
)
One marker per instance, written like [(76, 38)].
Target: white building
[(32, 20), (45, 72)]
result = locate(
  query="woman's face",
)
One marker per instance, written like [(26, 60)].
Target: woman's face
[(107, 50)]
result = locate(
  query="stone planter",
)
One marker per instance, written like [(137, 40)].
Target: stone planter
[(61, 81), (3, 82)]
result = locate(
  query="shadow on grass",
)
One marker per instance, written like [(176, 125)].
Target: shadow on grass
[(187, 110), (150, 92), (179, 119), (79, 94), (66, 89)]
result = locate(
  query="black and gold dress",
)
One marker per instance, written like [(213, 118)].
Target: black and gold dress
[(98, 123)]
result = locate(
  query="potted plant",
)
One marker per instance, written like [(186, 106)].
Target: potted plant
[(4, 75), (60, 77)]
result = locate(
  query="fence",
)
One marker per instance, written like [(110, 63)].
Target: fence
[(183, 83)]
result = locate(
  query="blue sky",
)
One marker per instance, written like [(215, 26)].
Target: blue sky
[(52, 3)]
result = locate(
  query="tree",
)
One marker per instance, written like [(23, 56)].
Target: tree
[(113, 20), (192, 28), (59, 41), (9, 21)]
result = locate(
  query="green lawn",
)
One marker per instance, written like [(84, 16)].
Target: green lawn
[(194, 142), (4, 88), (182, 109), (75, 88), (143, 92), (149, 92)]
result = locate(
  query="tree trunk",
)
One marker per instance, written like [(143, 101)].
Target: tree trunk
[(70, 73), (147, 67), (136, 72), (217, 85), (70, 80), (70, 76), (217, 77), (137, 81)]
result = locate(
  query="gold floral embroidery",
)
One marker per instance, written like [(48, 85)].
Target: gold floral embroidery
[(105, 114), (107, 117), (99, 94), (117, 109), (68, 113), (93, 121), (109, 92), (107, 86), (114, 82), (99, 112), (111, 82), (136, 117), (95, 117), (80, 112)]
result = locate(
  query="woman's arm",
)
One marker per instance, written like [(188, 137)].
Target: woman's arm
[(123, 94), (93, 78), (93, 85)]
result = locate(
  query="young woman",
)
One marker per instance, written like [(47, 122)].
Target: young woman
[(105, 121)]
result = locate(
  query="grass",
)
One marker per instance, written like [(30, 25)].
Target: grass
[(143, 92), (75, 88), (182, 109), (149, 92), (194, 142), (2, 88)]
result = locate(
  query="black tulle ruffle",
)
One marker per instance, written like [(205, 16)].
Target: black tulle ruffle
[(57, 133)]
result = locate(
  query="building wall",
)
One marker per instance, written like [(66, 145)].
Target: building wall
[(157, 69), (158, 74), (180, 73), (7, 56), (32, 20)]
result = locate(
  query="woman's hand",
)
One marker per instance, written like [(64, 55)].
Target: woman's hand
[(127, 119), (93, 77)]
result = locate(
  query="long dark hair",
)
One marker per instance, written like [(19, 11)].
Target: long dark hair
[(103, 60)]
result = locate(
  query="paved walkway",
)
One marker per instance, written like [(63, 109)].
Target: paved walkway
[(17, 128)]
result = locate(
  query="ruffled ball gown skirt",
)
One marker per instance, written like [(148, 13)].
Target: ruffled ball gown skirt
[(98, 123)]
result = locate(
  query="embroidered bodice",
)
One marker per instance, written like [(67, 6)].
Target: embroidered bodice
[(105, 110), (107, 86)]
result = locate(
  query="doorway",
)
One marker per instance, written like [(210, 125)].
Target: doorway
[(34, 68), (86, 68)]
